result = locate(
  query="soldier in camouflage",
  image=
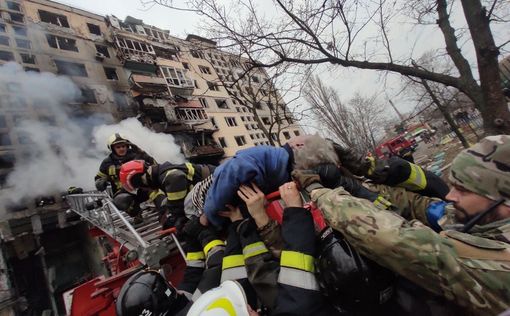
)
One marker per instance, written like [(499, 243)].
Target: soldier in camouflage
[(468, 261)]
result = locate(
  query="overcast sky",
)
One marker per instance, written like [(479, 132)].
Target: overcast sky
[(408, 41)]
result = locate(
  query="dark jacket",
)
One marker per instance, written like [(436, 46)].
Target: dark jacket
[(268, 167), (110, 167)]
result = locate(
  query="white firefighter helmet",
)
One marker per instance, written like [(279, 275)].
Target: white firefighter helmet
[(226, 300), (117, 138)]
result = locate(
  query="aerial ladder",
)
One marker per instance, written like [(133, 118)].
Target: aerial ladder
[(130, 248)]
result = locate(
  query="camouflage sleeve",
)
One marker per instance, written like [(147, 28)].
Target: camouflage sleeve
[(414, 251), (409, 205)]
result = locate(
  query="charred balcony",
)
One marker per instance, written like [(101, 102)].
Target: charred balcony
[(148, 84), (136, 55)]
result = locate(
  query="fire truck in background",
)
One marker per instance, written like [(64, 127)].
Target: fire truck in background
[(398, 146)]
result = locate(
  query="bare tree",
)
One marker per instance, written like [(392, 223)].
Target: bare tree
[(358, 34), (355, 125)]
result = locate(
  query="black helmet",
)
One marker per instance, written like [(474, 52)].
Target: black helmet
[(148, 293), (350, 281)]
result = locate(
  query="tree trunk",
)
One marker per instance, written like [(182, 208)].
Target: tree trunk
[(494, 110), (446, 114)]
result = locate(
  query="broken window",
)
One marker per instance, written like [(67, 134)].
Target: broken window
[(94, 29), (255, 79), (27, 58), (134, 45), (103, 50), (203, 101), (221, 103), (296, 133), (197, 54), (4, 40), (204, 70), (186, 66), (6, 160), (53, 18), (14, 6), (87, 96), (71, 69), (31, 69), (240, 140), (20, 31), (266, 120), (176, 77), (222, 142), (5, 139), (212, 86), (22, 43), (121, 101), (2, 28), (61, 42), (286, 135), (111, 73), (16, 17), (213, 122), (231, 121), (7, 56)]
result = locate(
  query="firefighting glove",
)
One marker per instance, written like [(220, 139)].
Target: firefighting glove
[(379, 170), (204, 234), (101, 184), (307, 179)]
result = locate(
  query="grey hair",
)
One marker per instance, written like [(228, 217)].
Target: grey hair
[(316, 151)]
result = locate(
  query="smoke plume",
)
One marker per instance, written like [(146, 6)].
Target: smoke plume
[(58, 148)]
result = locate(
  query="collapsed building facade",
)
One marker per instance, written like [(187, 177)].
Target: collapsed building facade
[(124, 68)]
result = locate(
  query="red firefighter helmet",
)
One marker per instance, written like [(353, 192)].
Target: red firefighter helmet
[(131, 174)]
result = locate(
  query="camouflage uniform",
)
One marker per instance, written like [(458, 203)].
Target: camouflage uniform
[(471, 270)]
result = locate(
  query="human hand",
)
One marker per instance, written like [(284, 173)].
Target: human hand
[(254, 199), (290, 195), (307, 179), (234, 213)]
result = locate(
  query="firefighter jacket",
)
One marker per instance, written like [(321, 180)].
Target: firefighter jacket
[(203, 266), (268, 167), (110, 167), (298, 289), (402, 173), (176, 181), (286, 286)]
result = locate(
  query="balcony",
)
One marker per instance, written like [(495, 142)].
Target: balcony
[(211, 150), (137, 60), (178, 80), (148, 84)]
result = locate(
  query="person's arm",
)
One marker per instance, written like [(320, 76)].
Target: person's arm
[(417, 253), (401, 173), (101, 178), (175, 185), (259, 264), (298, 288)]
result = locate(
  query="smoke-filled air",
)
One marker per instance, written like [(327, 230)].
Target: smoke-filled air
[(64, 149)]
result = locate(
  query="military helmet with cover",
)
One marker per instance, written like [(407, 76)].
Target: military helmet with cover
[(485, 168)]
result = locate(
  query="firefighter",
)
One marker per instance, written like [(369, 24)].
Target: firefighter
[(287, 286), (175, 180), (148, 292), (122, 151)]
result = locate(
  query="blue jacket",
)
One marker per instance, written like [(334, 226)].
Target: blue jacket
[(268, 167)]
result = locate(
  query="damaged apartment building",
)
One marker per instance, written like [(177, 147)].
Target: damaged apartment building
[(124, 68)]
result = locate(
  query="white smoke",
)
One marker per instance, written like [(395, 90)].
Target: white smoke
[(160, 146), (68, 152)]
